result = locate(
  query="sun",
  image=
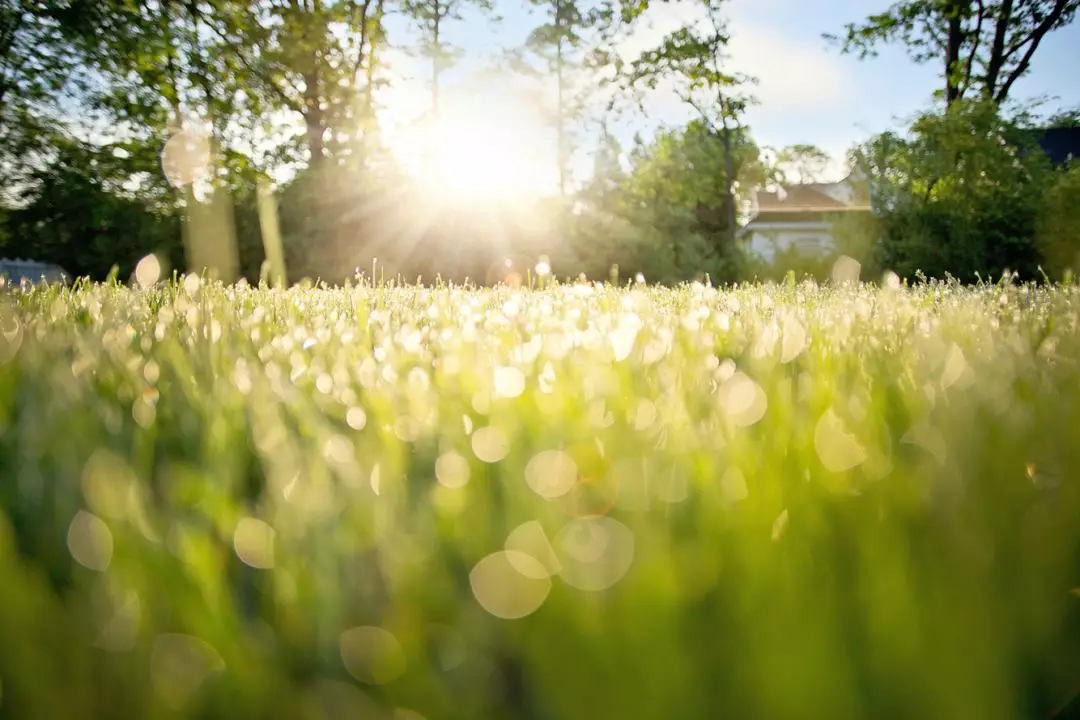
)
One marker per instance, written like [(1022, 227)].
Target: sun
[(481, 150)]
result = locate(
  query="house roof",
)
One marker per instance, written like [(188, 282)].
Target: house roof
[(797, 198), (801, 216), (808, 202)]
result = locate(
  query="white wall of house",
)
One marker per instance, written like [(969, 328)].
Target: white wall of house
[(767, 240)]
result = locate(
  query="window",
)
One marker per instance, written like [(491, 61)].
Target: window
[(811, 244)]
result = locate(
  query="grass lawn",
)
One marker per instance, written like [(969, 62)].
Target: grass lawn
[(580, 501)]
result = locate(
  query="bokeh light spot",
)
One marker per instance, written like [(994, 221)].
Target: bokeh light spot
[(509, 382), (529, 539), (595, 553), (837, 448), (452, 470), (253, 541), (90, 541), (179, 664), (490, 445), (372, 655), (148, 271), (506, 592), (551, 473)]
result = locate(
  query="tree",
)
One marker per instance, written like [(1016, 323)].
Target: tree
[(559, 46), (662, 216), (1058, 226), (74, 217), (314, 59), (431, 16), (803, 163), (36, 65), (693, 59), (984, 46), (961, 195)]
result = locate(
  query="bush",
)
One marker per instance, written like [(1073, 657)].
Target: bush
[(1059, 225), (960, 196)]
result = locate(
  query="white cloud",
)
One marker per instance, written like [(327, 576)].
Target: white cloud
[(794, 73)]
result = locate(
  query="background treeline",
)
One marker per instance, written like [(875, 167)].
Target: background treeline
[(94, 94)]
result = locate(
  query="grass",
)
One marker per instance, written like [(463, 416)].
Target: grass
[(580, 501)]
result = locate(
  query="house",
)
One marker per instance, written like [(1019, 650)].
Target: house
[(1061, 144), (801, 217), (15, 271)]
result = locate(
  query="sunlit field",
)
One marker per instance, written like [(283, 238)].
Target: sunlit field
[(571, 501)]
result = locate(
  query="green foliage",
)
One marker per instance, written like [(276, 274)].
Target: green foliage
[(72, 219), (36, 65), (665, 217), (782, 501), (802, 163), (1058, 227), (960, 196), (983, 46)]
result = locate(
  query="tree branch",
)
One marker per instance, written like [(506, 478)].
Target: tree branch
[(974, 46), (1036, 37), (289, 102), (358, 64), (997, 50)]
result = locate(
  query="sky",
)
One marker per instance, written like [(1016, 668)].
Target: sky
[(807, 92)]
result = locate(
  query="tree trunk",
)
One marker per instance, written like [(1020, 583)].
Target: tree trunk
[(729, 192), (314, 115), (560, 129), (952, 54), (436, 61), (997, 49)]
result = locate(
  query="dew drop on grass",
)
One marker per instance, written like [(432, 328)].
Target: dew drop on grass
[(622, 341), (529, 539), (376, 479), (11, 334), (546, 380), (794, 339), (733, 485), (253, 541), (452, 470), (551, 473), (503, 590), (837, 448), (356, 418), (779, 526), (192, 283), (490, 445), (106, 480), (372, 655), (926, 436), (179, 664), (121, 631), (148, 271), (742, 400), (339, 699), (644, 414), (726, 370), (509, 382), (955, 367), (595, 552), (90, 541)]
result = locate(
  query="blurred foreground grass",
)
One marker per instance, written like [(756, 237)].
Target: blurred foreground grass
[(783, 501)]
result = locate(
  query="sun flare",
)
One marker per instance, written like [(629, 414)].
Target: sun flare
[(481, 150)]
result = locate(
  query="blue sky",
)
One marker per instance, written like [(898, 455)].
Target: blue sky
[(808, 92)]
